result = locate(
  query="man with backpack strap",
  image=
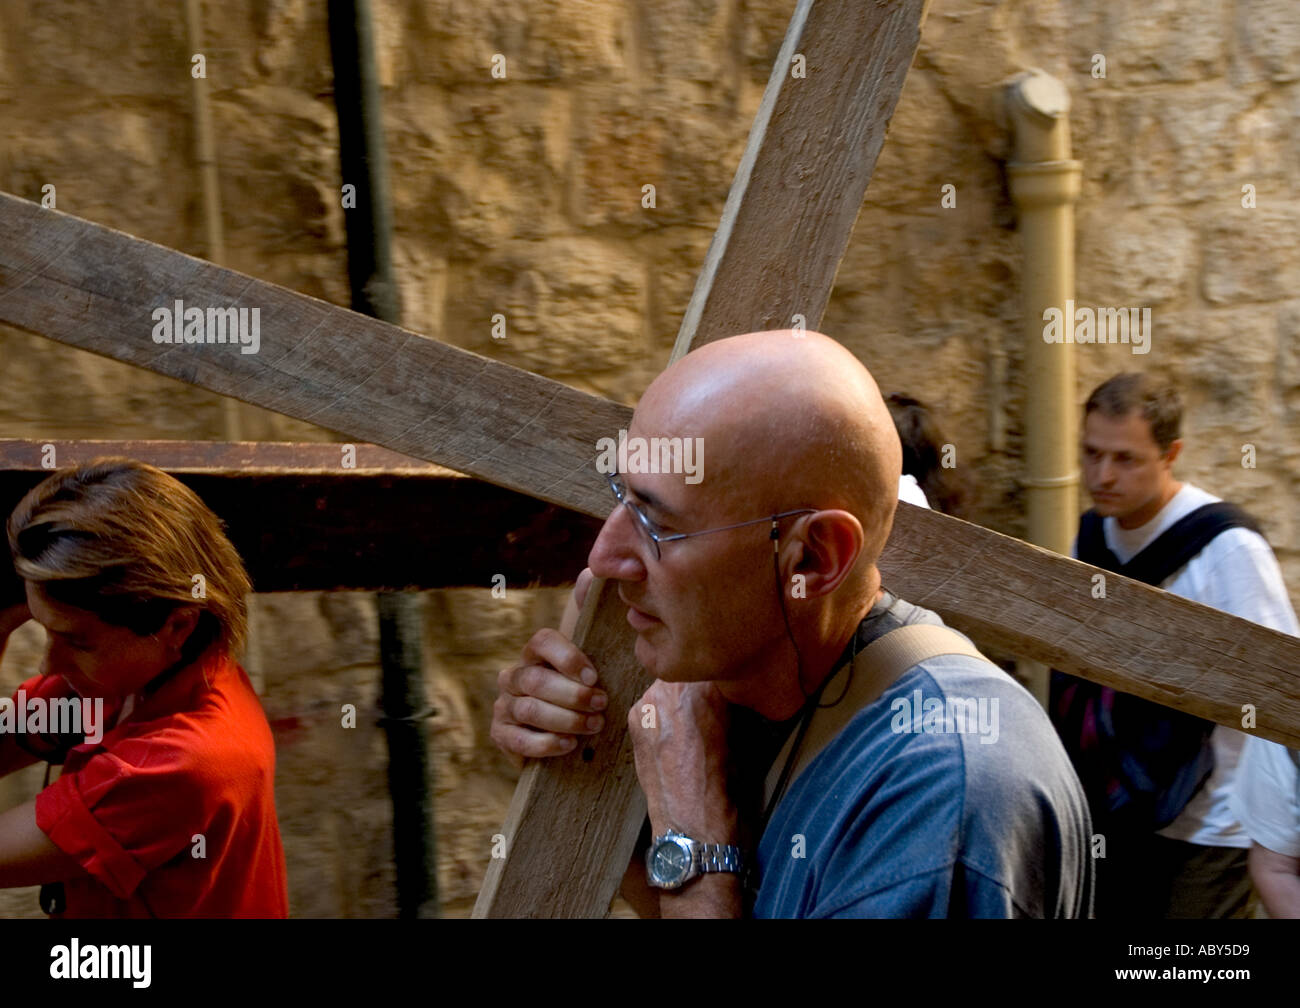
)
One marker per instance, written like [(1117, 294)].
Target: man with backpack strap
[(1159, 781)]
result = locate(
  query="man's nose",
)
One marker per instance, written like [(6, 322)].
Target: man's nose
[(617, 552)]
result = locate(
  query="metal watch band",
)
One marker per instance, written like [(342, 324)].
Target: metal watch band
[(721, 858)]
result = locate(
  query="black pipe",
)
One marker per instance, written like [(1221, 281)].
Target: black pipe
[(363, 159)]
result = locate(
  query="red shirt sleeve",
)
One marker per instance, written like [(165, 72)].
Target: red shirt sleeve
[(48, 687), (12, 755), (123, 813)]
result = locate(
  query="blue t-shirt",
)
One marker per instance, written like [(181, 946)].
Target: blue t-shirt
[(949, 796)]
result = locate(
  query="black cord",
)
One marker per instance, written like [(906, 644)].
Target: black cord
[(811, 701), (780, 595), (785, 617), (53, 898), (847, 682)]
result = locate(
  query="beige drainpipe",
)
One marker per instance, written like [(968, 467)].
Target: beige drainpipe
[(1045, 184), (205, 156)]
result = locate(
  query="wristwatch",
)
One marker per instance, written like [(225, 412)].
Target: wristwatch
[(674, 859)]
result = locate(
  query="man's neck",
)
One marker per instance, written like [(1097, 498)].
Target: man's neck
[(1138, 518), (776, 693)]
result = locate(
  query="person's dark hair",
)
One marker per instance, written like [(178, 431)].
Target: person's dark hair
[(1133, 392), (923, 443)]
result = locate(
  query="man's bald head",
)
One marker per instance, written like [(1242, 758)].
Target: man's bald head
[(789, 419), (778, 423)]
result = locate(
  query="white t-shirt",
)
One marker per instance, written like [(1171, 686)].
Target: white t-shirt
[(1237, 573), (909, 490), (1267, 796)]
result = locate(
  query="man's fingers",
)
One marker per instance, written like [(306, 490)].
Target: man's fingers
[(550, 647), (546, 684), (533, 712), (547, 699), (518, 740)]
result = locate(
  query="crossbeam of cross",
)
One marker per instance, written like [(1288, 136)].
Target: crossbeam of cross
[(304, 516), (786, 223)]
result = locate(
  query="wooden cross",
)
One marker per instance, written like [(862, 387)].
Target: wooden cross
[(787, 221), (303, 516)]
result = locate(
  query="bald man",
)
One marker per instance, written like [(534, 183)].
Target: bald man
[(776, 785)]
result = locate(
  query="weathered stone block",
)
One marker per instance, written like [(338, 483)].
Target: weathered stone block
[(1250, 255), (683, 140), (687, 39), (279, 164), (1225, 359), (1267, 40), (1184, 144), (1288, 363), (478, 169), (567, 305), (549, 40), (1166, 40), (1133, 259)]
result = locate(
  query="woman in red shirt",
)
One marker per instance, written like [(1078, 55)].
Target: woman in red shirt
[(165, 806)]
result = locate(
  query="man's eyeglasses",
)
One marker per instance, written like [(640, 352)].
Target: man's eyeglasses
[(656, 536)]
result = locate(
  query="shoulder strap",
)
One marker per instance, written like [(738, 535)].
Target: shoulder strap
[(1184, 539), (878, 666), (1091, 547)]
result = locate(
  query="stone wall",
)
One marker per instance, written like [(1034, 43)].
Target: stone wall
[(523, 196)]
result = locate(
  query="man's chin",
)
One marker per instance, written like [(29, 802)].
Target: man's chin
[(648, 655), (1108, 507), (659, 663)]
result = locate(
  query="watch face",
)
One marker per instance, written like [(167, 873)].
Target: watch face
[(669, 863)]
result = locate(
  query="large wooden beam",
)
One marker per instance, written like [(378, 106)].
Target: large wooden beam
[(573, 821), (801, 181), (1142, 640), (302, 521), (95, 288)]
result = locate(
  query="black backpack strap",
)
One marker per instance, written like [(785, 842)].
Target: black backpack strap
[(1091, 546), (1179, 543), (1140, 762)]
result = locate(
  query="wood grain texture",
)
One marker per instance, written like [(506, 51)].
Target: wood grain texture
[(784, 228), (225, 458), (303, 523), (95, 288), (1138, 639), (573, 820), (801, 181)]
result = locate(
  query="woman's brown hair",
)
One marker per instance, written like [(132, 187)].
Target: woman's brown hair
[(130, 543)]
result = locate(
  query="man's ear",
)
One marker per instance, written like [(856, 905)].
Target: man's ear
[(1175, 447), (831, 542)]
